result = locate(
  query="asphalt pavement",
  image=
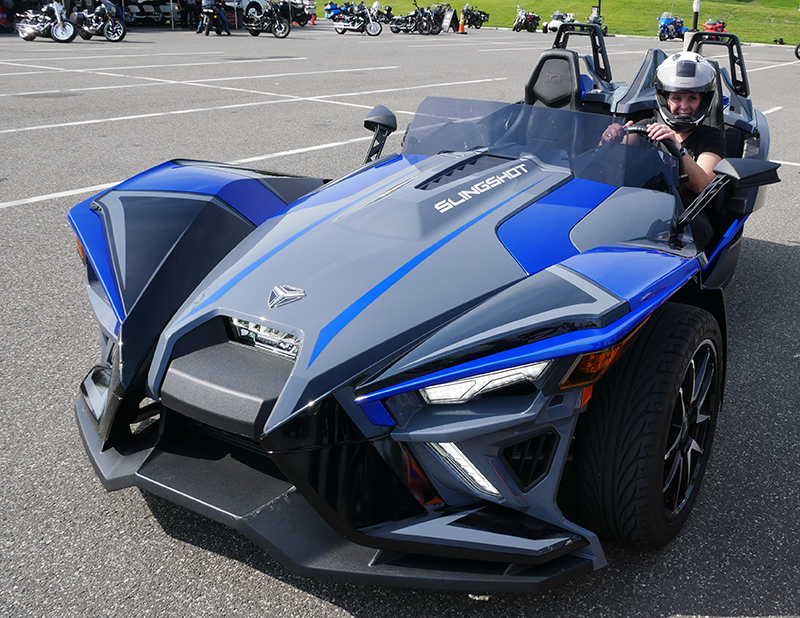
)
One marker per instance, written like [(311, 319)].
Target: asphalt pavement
[(80, 116)]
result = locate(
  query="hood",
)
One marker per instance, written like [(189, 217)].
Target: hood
[(377, 261)]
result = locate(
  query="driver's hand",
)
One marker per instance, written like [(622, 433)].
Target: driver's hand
[(660, 132), (615, 132)]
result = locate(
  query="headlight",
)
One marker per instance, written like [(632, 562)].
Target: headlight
[(461, 391), (266, 338)]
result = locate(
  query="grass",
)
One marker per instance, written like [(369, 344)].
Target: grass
[(755, 21)]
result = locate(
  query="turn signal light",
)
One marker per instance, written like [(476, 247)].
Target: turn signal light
[(590, 367)]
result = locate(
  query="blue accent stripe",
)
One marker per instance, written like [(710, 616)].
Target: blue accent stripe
[(336, 325), (377, 414), (589, 340), (249, 269)]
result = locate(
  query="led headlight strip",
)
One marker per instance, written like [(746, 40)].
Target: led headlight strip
[(461, 391), (464, 468), (266, 338)]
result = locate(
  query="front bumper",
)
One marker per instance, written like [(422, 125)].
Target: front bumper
[(241, 488)]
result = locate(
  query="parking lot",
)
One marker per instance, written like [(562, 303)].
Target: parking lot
[(80, 117)]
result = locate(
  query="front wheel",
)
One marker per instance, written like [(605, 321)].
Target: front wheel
[(207, 26), (280, 28), (339, 29), (478, 25), (374, 28), (254, 32), (26, 36), (797, 51), (642, 446), (114, 30), (424, 27), (254, 9), (63, 33)]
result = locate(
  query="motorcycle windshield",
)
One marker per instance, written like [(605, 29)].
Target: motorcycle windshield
[(556, 137)]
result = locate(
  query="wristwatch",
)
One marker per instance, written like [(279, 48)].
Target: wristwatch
[(683, 150)]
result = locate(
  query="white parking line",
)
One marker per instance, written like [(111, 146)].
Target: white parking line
[(99, 70), (98, 188), (785, 162), (84, 58), (193, 82), (286, 99), (772, 109), (773, 66)]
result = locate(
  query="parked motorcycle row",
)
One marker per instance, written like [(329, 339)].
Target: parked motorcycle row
[(432, 19), (51, 21), (526, 20)]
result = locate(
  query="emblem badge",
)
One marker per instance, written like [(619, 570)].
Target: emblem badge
[(283, 295)]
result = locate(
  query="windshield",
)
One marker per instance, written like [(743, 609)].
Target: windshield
[(555, 137)]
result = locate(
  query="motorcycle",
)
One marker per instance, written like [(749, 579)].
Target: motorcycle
[(416, 20), (714, 25), (293, 12), (103, 21), (337, 13), (556, 19), (670, 27), (362, 20), (381, 13), (438, 12), (210, 16), (473, 18), (596, 18), (266, 19), (525, 21), (50, 21)]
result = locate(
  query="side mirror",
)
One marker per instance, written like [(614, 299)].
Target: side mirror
[(383, 123), (742, 173)]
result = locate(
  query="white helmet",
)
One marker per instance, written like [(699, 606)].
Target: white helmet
[(685, 72)]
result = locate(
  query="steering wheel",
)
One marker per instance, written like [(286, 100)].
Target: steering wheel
[(666, 145)]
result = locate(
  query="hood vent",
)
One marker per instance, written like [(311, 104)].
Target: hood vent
[(466, 167)]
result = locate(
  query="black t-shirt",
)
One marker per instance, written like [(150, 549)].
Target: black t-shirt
[(700, 140)]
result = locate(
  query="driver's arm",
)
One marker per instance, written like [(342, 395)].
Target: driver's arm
[(700, 172)]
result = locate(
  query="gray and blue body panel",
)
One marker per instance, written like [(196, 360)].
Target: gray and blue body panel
[(418, 270)]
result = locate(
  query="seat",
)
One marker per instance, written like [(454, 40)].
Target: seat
[(555, 80)]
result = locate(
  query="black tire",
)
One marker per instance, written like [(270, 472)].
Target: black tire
[(478, 25), (85, 35), (129, 16), (374, 28), (114, 30), (302, 21), (394, 29), (254, 32), (27, 37), (424, 27), (254, 8), (206, 26), (280, 28), (797, 51), (64, 33), (435, 29), (637, 432), (516, 27), (339, 29), (605, 30)]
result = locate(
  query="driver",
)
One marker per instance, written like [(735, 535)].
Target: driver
[(685, 84)]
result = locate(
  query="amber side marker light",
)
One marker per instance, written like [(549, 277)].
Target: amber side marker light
[(81, 252), (589, 368)]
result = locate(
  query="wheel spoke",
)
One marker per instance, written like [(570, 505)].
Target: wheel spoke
[(675, 472)]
